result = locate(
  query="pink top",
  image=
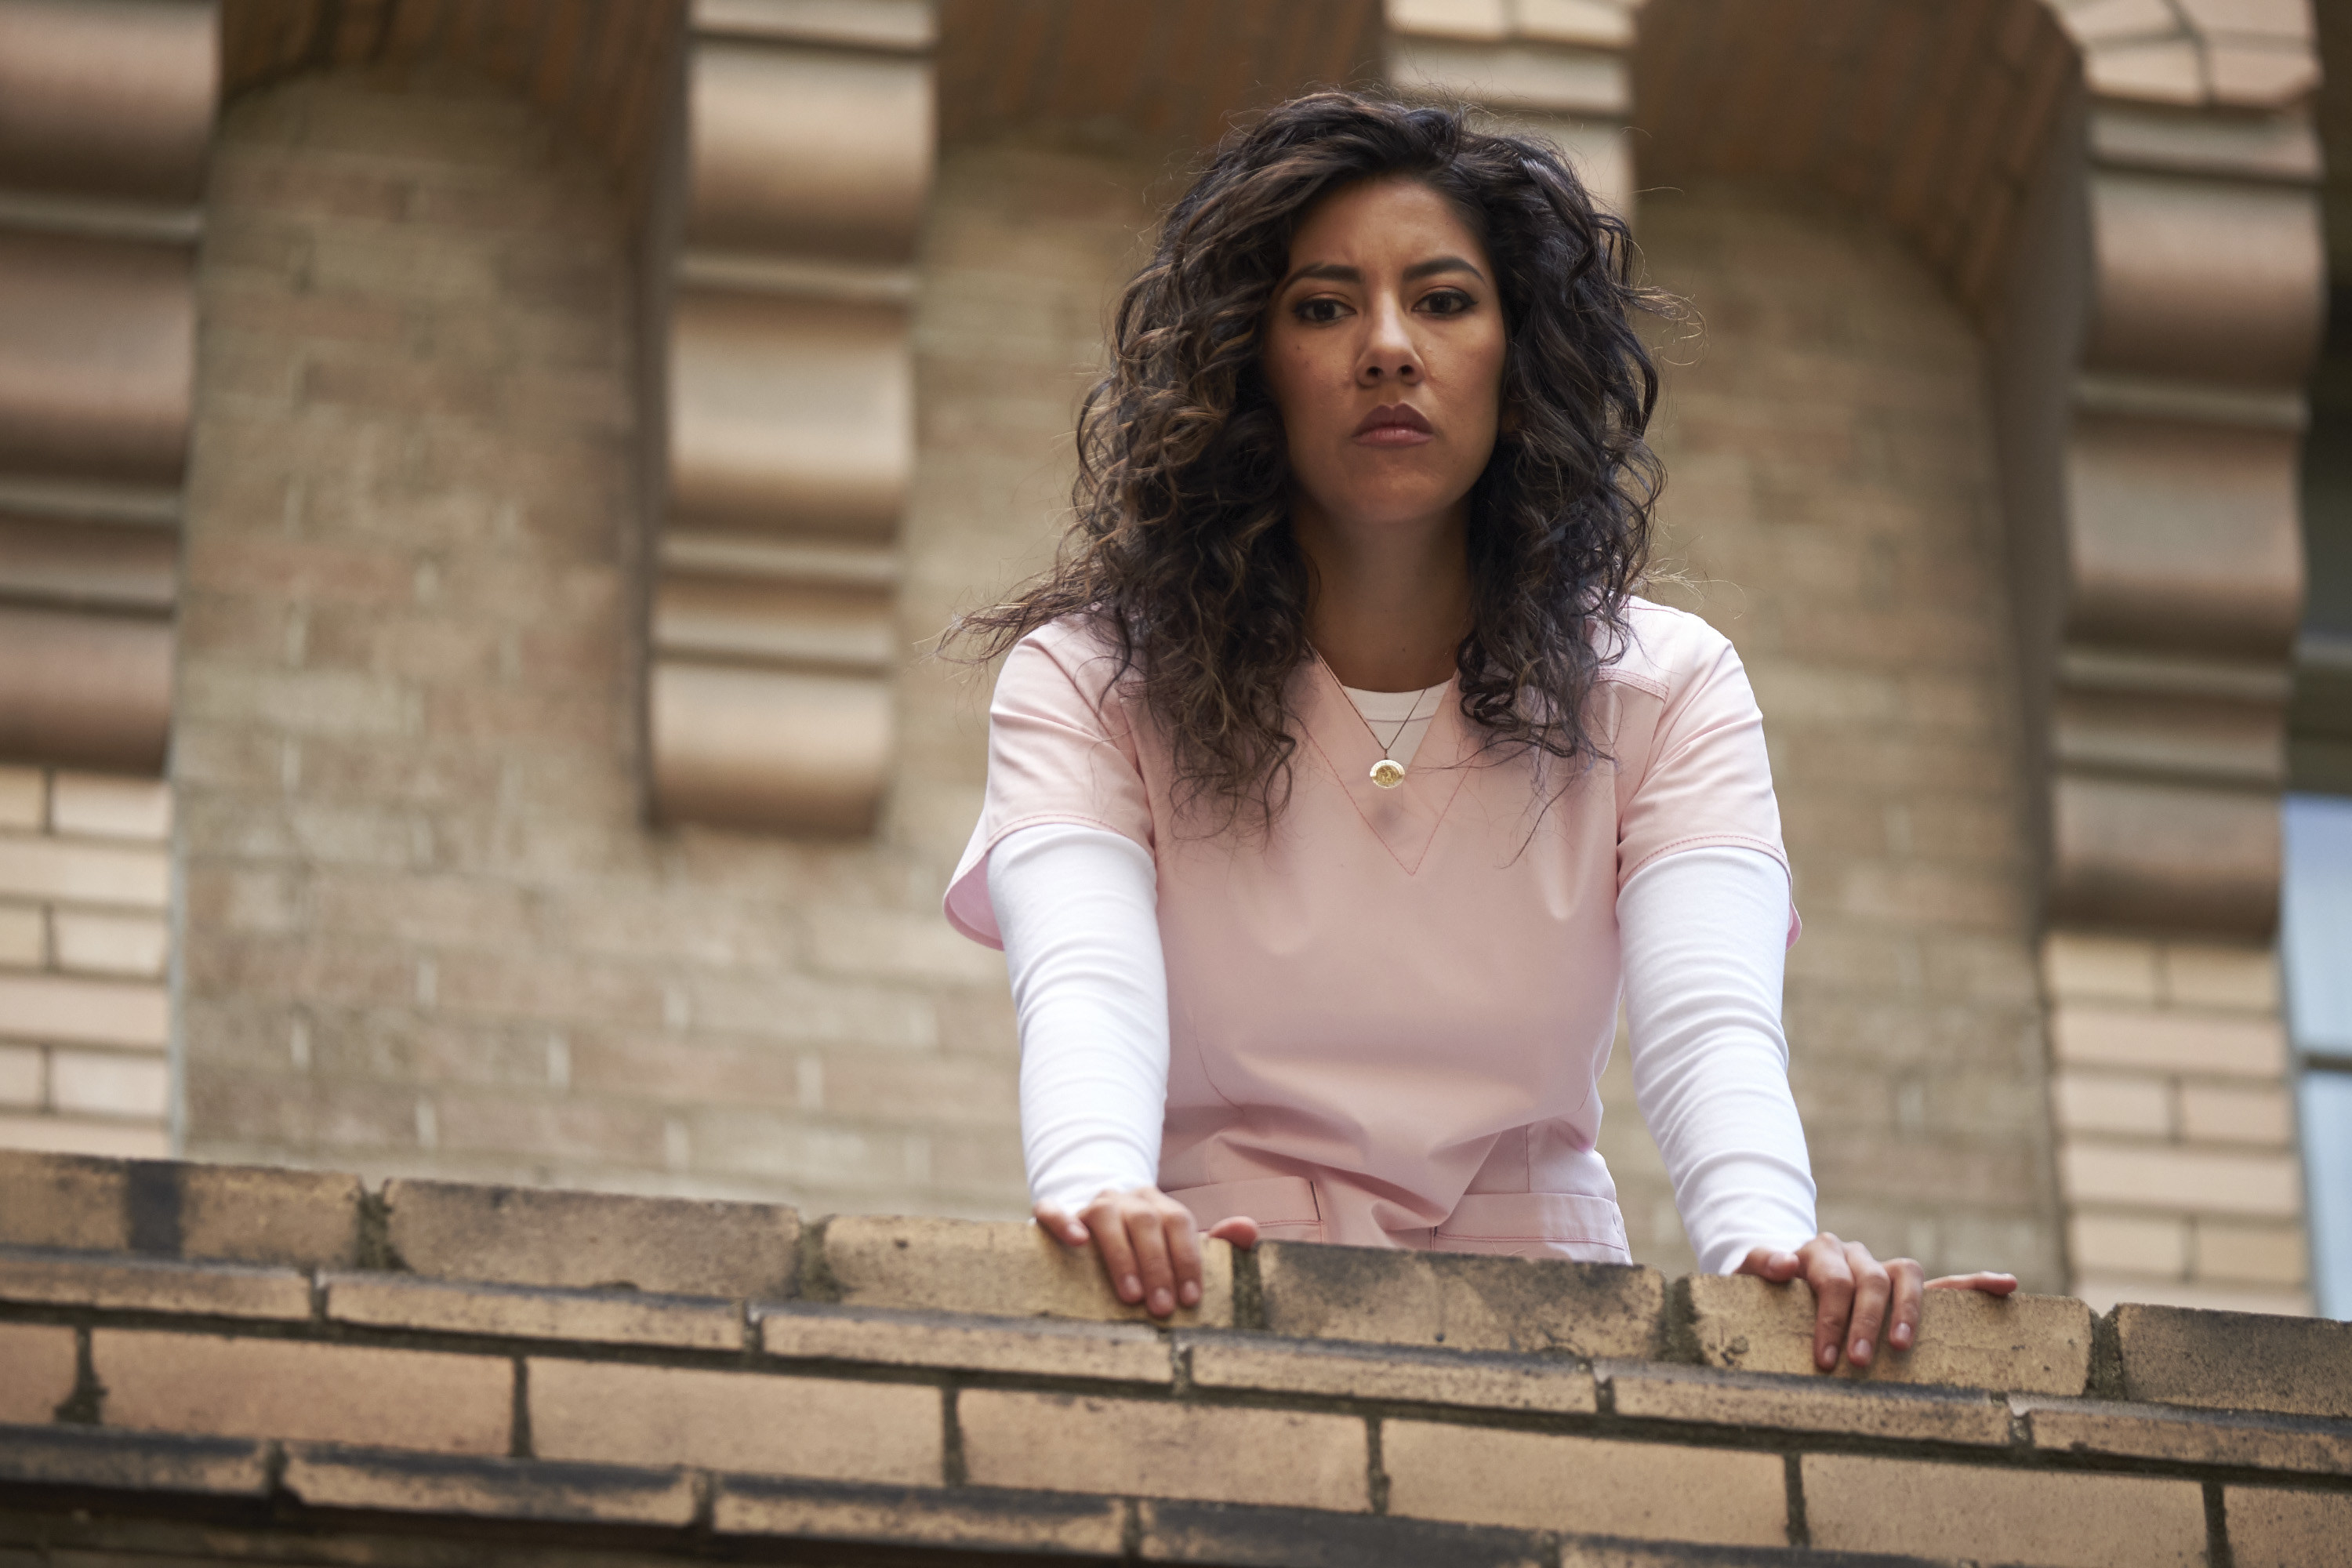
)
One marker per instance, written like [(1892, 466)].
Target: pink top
[(1388, 1019)]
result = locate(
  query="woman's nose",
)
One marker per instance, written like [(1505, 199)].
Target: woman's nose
[(1389, 356), (1389, 353)]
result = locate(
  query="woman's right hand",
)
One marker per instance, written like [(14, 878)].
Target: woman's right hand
[(1148, 1244)]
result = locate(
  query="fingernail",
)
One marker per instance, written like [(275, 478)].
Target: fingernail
[(1129, 1287), (1191, 1293), (1901, 1338), (1827, 1356), (1160, 1303), (1861, 1351)]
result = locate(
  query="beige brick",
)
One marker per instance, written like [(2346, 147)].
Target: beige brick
[(519, 1236), (1488, 22), (1278, 1365), (67, 1454), (84, 873), (2265, 1254), (2019, 1344), (738, 1421), (150, 1285), (1856, 1503), (2199, 976), (2112, 1102), (2151, 1040), (2212, 1113), (2258, 73), (24, 937), (485, 1488), (1180, 1532), (1654, 1491), (2129, 1243), (111, 944), (2286, 23), (247, 1213), (2108, 969), (297, 1391), (1599, 23), (24, 798), (109, 1083), (1059, 1442), (1122, 1352), (2193, 1181), (253, 1214), (109, 805), (2280, 1529), (51, 1007), (24, 1076), (2235, 1361), (79, 1135), (958, 1266), (37, 1372), (2188, 1436), (1656, 1391), (1460, 1300), (614, 1317), (959, 1518)]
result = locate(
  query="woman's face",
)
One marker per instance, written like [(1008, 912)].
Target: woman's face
[(1384, 353)]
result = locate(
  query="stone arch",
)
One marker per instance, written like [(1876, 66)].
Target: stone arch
[(601, 69)]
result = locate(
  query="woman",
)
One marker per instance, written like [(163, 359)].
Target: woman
[(1337, 783)]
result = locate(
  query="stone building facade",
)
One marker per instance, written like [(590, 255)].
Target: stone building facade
[(478, 484)]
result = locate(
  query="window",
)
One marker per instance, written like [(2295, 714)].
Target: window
[(2315, 943)]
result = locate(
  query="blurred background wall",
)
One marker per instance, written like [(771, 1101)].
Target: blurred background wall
[(478, 482)]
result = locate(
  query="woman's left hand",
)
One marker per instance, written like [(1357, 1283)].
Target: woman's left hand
[(1854, 1294)]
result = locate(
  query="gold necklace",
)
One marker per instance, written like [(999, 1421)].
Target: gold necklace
[(1388, 772)]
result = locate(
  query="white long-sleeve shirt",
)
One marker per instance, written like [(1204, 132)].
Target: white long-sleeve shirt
[(1703, 937)]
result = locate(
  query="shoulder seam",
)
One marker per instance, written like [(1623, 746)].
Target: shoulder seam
[(1649, 683)]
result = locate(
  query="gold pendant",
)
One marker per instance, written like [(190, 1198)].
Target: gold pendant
[(1388, 772)]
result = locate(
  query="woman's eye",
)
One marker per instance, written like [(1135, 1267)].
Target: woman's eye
[(1324, 309), (1447, 302)]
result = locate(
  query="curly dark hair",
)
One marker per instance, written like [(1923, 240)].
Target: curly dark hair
[(1182, 551)]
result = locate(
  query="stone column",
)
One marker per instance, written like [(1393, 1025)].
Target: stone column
[(105, 117), (106, 112), (1556, 68), (808, 153), (2159, 329)]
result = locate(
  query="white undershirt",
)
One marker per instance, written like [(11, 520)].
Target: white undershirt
[(1702, 934), (1397, 720)]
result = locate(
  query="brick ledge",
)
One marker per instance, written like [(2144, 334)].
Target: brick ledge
[(191, 1332)]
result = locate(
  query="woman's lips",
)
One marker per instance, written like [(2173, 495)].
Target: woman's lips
[(1394, 424)]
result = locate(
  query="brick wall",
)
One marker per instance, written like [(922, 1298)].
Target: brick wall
[(84, 1012), (565, 1373), (1830, 505), (2175, 1110), (426, 928)]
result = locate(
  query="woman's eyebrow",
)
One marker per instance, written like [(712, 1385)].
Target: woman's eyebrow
[(1437, 264), (1330, 271), (1338, 273)]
